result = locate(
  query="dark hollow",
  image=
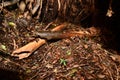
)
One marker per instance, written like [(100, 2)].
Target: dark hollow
[(111, 24)]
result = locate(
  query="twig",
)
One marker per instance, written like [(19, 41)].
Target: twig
[(48, 25), (60, 27), (59, 5), (36, 7), (8, 3), (14, 63), (41, 4)]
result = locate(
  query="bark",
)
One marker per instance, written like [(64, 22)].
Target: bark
[(66, 10)]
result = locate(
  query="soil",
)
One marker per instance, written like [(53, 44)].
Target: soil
[(74, 58)]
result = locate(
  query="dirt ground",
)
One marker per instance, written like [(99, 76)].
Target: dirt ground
[(74, 58)]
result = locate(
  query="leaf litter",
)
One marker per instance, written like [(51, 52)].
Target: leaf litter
[(75, 58)]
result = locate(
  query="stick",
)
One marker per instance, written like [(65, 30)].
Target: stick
[(29, 48)]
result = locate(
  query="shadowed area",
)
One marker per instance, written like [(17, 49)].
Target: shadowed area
[(110, 26), (8, 75)]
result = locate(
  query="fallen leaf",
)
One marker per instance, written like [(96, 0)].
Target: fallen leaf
[(101, 76), (11, 24), (49, 66), (3, 47), (85, 46)]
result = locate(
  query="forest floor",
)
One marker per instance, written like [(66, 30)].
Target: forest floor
[(75, 58)]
